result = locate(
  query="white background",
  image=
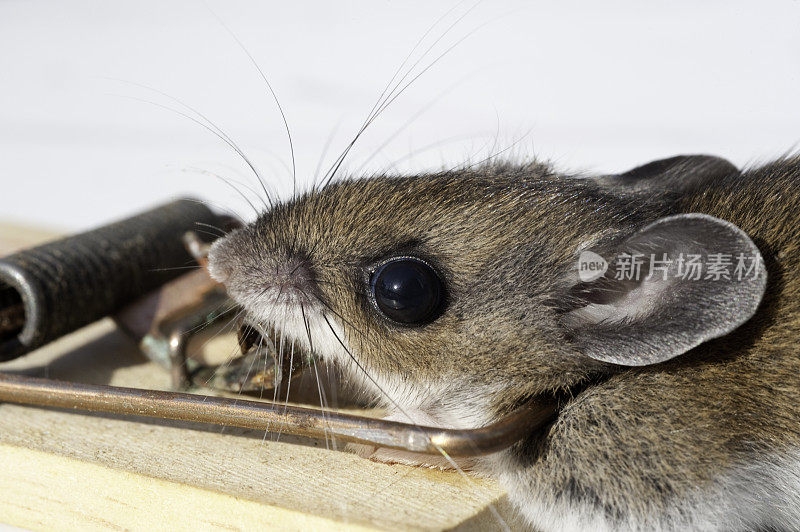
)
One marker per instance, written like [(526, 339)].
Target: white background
[(598, 86)]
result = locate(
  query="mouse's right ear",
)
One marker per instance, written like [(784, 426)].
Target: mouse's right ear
[(676, 174), (669, 287)]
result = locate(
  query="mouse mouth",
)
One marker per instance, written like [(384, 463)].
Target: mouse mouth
[(271, 360), (295, 348), (266, 362), (289, 342)]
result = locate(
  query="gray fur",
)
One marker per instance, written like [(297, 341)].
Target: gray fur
[(633, 447), (662, 314)]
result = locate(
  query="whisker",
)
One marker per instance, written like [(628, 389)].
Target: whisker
[(325, 148), (278, 368), (427, 147), (393, 94), (223, 330), (441, 451), (311, 350), (193, 267), (222, 232), (267, 431), (216, 128), (215, 310), (420, 74), (209, 233), (322, 404), (391, 81), (410, 121), (247, 375), (220, 135), (427, 51), (289, 380), (271, 91), (362, 334), (218, 206), (231, 183), (492, 156)]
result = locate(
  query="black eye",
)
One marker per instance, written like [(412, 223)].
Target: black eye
[(408, 291)]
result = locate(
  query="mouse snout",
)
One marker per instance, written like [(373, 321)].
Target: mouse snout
[(291, 277), (265, 276), (220, 264), (274, 287)]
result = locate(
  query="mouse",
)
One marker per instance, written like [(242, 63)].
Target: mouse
[(658, 306)]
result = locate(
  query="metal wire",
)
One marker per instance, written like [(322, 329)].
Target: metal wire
[(273, 417)]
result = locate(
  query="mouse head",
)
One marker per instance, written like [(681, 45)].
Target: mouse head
[(459, 294)]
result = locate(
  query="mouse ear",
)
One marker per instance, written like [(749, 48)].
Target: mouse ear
[(676, 283), (680, 173)]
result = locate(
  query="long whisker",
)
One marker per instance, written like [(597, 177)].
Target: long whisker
[(362, 334), (494, 155), (266, 432), (231, 183), (219, 207), (278, 366), (380, 98), (209, 233), (394, 94), (207, 120), (271, 91), (174, 268), (410, 121), (279, 378), (247, 375), (322, 403), (228, 182), (311, 350), (427, 51), (219, 135), (221, 231), (289, 380), (431, 146), (400, 409), (224, 330), (398, 93), (325, 148)]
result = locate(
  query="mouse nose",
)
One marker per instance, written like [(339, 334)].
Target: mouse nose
[(258, 271), (292, 276)]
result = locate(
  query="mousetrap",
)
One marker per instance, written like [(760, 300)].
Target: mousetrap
[(174, 314)]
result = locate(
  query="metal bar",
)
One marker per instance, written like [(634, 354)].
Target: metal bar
[(273, 417)]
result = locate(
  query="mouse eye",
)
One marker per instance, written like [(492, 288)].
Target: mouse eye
[(407, 290)]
